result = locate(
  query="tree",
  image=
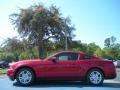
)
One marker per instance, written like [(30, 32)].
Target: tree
[(107, 42), (98, 52), (110, 42), (108, 53), (40, 24), (92, 47), (112, 48), (28, 55), (79, 46), (13, 45), (7, 56)]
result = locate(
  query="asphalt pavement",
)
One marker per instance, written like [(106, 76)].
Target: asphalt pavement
[(6, 84), (118, 75)]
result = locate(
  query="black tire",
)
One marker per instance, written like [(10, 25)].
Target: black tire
[(21, 78), (95, 80)]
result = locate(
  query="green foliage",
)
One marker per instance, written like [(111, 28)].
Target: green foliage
[(98, 52), (92, 47), (33, 54), (7, 56), (13, 44), (112, 49), (2, 71), (25, 55), (40, 24), (110, 42), (79, 46), (43, 30)]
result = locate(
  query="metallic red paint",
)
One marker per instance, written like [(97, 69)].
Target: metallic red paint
[(71, 69)]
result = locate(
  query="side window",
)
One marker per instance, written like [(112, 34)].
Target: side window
[(73, 56), (63, 58), (67, 56), (87, 57)]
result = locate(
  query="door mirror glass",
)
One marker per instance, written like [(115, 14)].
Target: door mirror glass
[(53, 58)]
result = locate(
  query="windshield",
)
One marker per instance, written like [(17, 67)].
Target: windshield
[(52, 55)]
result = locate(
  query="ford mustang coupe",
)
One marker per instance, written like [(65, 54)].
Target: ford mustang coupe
[(66, 65)]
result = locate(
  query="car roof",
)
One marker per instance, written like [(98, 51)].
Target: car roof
[(72, 52)]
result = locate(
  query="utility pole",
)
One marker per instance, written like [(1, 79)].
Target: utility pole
[(66, 44)]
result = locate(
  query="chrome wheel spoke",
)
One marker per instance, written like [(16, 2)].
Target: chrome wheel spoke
[(25, 77), (95, 77)]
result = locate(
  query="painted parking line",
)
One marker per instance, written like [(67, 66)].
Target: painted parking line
[(111, 81)]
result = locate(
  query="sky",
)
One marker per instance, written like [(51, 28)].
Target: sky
[(94, 20)]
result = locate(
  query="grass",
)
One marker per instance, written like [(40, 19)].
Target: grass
[(2, 71)]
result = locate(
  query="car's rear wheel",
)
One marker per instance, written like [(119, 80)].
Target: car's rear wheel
[(95, 77), (25, 76)]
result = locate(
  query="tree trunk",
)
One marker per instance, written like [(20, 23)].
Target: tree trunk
[(42, 51)]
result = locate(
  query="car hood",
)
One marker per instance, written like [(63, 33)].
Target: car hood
[(28, 62)]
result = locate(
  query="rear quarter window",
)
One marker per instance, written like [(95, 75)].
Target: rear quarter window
[(87, 57)]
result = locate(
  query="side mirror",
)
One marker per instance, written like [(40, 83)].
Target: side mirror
[(53, 59)]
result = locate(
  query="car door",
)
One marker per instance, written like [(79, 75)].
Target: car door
[(65, 64)]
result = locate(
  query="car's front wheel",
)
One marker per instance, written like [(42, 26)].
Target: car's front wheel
[(25, 76), (95, 77)]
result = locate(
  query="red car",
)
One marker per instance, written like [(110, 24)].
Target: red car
[(67, 65)]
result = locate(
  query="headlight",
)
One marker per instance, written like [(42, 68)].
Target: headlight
[(11, 65)]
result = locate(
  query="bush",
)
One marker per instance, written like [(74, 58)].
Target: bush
[(2, 71), (7, 57), (28, 55)]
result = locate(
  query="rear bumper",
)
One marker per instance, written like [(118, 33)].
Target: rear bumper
[(10, 74), (111, 75)]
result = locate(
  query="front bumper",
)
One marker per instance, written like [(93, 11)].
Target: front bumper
[(10, 74)]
